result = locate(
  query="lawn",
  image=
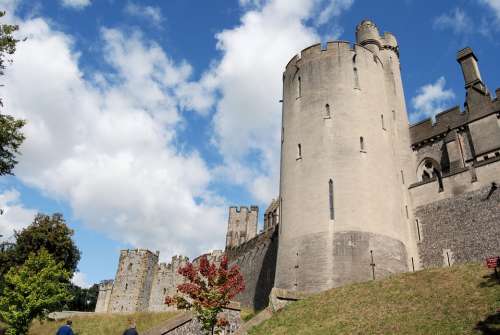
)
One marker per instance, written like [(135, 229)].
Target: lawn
[(446, 301), (102, 324)]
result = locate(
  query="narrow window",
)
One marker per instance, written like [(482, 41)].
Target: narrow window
[(299, 151), (394, 115), (129, 268), (362, 144), (164, 291), (126, 287), (330, 199), (282, 134), (355, 72), (356, 78), (406, 209), (299, 87), (402, 177), (382, 121), (418, 230), (327, 114)]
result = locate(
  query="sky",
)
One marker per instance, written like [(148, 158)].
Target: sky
[(146, 120)]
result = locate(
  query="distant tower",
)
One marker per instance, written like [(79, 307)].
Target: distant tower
[(346, 165), (272, 215), (242, 225), (133, 281), (104, 297)]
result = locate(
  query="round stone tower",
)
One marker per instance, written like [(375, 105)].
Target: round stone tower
[(346, 164)]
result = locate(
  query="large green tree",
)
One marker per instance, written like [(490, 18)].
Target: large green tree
[(46, 232), (33, 290), (11, 136), (52, 234)]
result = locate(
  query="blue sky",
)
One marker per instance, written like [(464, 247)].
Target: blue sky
[(147, 119)]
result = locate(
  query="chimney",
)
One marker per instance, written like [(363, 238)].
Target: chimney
[(470, 69)]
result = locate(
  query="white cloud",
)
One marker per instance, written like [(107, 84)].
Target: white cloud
[(332, 9), (457, 20), (107, 146), (75, 4), (80, 279), (494, 5), (150, 13), (15, 216), (431, 99), (247, 121)]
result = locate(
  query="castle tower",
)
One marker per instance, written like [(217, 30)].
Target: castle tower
[(242, 225), (346, 165), (165, 281), (133, 281), (104, 296)]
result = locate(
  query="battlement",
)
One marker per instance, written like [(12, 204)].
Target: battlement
[(332, 48), (243, 209), (215, 256), (106, 284), (142, 252), (426, 130), (176, 262)]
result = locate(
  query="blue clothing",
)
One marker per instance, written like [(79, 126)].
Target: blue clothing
[(65, 330)]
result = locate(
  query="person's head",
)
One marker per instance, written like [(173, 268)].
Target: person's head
[(131, 323), (69, 322)]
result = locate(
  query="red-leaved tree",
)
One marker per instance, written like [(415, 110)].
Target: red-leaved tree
[(207, 289)]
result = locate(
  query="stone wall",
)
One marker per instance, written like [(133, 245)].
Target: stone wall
[(461, 229), (257, 262), (187, 324), (165, 281)]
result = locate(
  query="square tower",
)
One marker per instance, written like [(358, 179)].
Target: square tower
[(134, 278), (242, 225)]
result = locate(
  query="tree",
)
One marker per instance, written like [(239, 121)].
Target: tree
[(11, 136), (11, 139), (33, 290), (207, 289), (7, 42), (84, 299), (52, 234)]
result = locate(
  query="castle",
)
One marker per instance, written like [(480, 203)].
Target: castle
[(362, 194)]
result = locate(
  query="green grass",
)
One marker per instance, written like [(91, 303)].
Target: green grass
[(247, 314), (448, 301), (102, 324)]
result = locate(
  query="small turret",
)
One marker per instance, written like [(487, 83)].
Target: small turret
[(367, 34)]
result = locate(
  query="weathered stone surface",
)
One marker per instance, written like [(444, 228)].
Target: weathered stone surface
[(187, 324), (257, 262), (467, 225)]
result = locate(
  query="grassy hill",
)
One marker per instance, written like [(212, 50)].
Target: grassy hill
[(447, 301), (102, 324)]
